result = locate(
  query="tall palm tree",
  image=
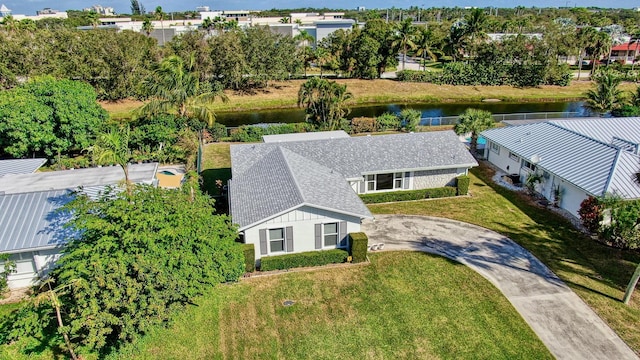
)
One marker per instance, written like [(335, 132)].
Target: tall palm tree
[(147, 26), (112, 147), (455, 42), (475, 26), (160, 16), (405, 35), (424, 45), (304, 38), (207, 24), (176, 90), (586, 38), (606, 96), (601, 46), (474, 121), (634, 40)]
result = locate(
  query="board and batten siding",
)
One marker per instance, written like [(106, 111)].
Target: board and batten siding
[(302, 223)]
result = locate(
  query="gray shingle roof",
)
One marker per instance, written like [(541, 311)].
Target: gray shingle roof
[(20, 166), (30, 220), (605, 129), (317, 135), (72, 179), (354, 156), (283, 180), (592, 165)]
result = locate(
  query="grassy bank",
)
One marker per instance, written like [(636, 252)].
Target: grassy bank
[(402, 305), (284, 95), (598, 274)]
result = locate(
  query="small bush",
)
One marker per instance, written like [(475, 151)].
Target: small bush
[(392, 196), (462, 183), (409, 119), (254, 133), (626, 111), (359, 243), (363, 124), (8, 267), (304, 259), (249, 257), (591, 214), (217, 132), (388, 121)]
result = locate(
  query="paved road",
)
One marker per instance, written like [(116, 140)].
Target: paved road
[(564, 323)]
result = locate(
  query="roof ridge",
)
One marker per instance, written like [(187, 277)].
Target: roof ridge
[(291, 172), (612, 171), (579, 134)]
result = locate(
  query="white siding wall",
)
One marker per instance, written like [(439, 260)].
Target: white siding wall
[(303, 221), (28, 264), (436, 178), (502, 160)]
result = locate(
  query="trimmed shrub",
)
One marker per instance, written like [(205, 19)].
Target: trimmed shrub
[(363, 124), (392, 196), (304, 259), (462, 183), (217, 131), (409, 119), (591, 214), (249, 257), (388, 121), (359, 243)]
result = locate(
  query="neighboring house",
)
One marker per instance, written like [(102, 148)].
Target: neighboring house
[(575, 158), (293, 196), (626, 52), (20, 166), (31, 225)]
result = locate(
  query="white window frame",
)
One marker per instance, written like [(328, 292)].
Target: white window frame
[(528, 165), (514, 157), (397, 182), (337, 234), (269, 240), (495, 148)]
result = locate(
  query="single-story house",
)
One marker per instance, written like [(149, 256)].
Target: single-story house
[(626, 52), (31, 226), (295, 196), (575, 158)]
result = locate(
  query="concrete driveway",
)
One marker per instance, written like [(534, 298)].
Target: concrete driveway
[(564, 323)]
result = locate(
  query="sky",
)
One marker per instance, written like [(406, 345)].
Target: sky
[(29, 7)]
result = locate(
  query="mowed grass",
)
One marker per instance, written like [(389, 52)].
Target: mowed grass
[(216, 165), (284, 94), (403, 305), (597, 273)]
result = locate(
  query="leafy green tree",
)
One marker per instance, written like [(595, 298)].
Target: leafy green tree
[(606, 96), (112, 147), (137, 258), (409, 119), (147, 26), (384, 33), (228, 60), (137, 8), (269, 56), (474, 121), (425, 45), (324, 102), (405, 37)]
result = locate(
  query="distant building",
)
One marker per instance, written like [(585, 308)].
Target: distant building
[(47, 11), (202, 9), (101, 10), (4, 11), (361, 8)]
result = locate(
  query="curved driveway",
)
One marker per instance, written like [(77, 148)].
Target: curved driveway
[(564, 323)]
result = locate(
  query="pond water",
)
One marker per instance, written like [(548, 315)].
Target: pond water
[(427, 110)]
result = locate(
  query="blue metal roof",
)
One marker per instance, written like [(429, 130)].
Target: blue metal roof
[(20, 166)]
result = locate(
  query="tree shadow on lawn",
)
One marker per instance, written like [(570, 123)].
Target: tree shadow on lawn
[(209, 177)]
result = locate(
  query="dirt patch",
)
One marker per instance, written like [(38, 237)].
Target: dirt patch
[(15, 295)]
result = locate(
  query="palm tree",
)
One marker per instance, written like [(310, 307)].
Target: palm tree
[(207, 24), (405, 34), (601, 46), (455, 42), (586, 39), (112, 147), (606, 96), (160, 16), (475, 24), (147, 26), (304, 38), (424, 45), (285, 20), (324, 101), (474, 121)]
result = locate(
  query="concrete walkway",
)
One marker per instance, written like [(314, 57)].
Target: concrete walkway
[(564, 323)]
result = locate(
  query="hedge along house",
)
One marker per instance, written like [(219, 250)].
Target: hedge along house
[(301, 195), (573, 159), (31, 225)]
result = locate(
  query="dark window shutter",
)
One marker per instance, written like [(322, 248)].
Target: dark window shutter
[(406, 180), (318, 234), (288, 238), (363, 186), (342, 231), (263, 241)]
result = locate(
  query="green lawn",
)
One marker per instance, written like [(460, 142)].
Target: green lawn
[(597, 273), (216, 165), (403, 305)]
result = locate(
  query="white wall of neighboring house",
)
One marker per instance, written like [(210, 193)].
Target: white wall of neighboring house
[(30, 266), (570, 195), (416, 180), (303, 221)]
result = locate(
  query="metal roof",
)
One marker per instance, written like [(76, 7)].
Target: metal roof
[(20, 166), (354, 156), (30, 220), (282, 181), (605, 129), (72, 179), (592, 165), (317, 135)]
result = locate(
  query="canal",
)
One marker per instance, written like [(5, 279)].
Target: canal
[(233, 119)]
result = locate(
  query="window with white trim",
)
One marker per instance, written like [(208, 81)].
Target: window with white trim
[(381, 182), (330, 234), (495, 148), (514, 157), (371, 182), (528, 165), (276, 240)]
